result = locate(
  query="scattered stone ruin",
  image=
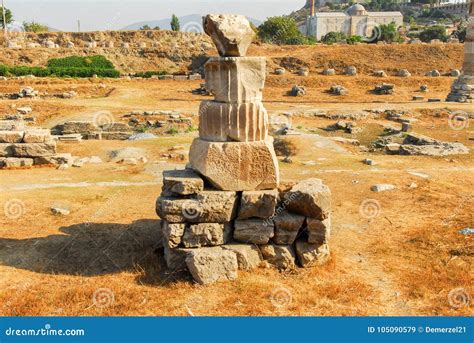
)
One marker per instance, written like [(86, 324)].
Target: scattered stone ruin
[(25, 147), (226, 210), (462, 89)]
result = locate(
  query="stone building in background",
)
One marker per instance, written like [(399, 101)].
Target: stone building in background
[(355, 21)]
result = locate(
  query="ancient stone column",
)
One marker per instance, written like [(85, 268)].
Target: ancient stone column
[(234, 151), (462, 89)]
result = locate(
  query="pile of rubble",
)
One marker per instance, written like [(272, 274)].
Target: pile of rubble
[(225, 211), (297, 90), (25, 148), (402, 143), (384, 89), (30, 92), (144, 120), (89, 130), (338, 90)]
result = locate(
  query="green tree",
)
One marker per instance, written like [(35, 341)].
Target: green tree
[(34, 27), (280, 30), (434, 32), (333, 37), (156, 28), (175, 23), (145, 27), (387, 33), (8, 17)]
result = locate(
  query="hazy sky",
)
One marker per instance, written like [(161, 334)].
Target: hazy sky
[(115, 14)]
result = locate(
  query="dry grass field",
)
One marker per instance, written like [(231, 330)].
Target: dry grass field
[(403, 259)]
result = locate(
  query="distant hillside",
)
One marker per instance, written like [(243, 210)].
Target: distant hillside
[(189, 23)]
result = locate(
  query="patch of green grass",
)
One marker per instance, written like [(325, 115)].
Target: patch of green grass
[(172, 131)]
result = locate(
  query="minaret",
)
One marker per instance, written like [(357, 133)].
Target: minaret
[(462, 89)]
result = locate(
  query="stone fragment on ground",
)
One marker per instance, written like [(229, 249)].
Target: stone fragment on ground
[(382, 187), (209, 265)]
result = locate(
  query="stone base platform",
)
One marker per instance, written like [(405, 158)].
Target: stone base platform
[(212, 234), (462, 89)]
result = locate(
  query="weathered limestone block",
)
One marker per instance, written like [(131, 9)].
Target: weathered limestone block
[(176, 258), (258, 204), (319, 231), (236, 166), (204, 207), (16, 162), (310, 198), (11, 136), (232, 34), (287, 226), (182, 182), (172, 233), (79, 127), (6, 150), (37, 136), (222, 122), (248, 255), (236, 79), (207, 234), (64, 158), (209, 265), (310, 255), (254, 231), (33, 149), (281, 256)]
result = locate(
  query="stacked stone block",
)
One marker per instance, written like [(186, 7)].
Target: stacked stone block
[(225, 212), (30, 147), (462, 90)]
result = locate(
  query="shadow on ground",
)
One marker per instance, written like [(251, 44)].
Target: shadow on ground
[(92, 249)]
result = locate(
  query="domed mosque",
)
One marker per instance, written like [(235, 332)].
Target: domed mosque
[(356, 20)]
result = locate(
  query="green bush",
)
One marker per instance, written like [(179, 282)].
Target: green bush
[(434, 32), (333, 37), (97, 62), (59, 72), (3, 70), (354, 39)]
